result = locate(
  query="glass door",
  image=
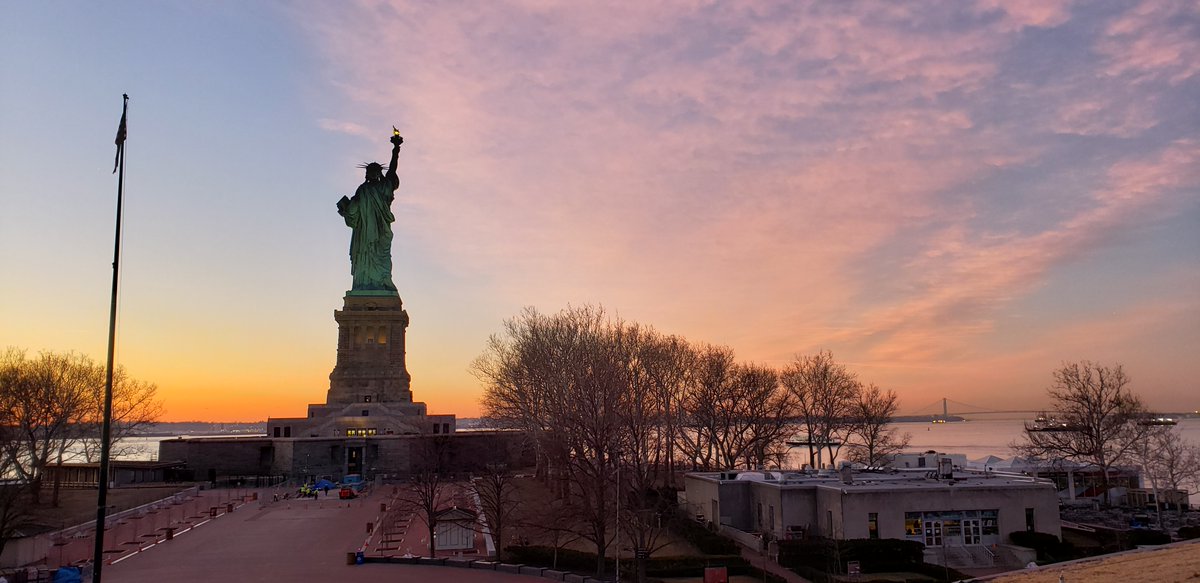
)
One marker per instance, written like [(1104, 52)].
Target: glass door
[(933, 533), (972, 531)]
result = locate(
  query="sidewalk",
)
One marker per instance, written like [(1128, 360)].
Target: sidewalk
[(287, 540), (759, 559)]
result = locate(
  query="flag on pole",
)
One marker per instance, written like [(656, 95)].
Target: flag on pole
[(121, 132)]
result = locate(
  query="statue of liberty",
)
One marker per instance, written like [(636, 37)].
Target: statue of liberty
[(369, 214)]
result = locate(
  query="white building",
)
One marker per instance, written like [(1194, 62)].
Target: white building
[(962, 517)]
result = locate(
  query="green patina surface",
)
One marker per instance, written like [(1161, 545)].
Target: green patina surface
[(369, 214)]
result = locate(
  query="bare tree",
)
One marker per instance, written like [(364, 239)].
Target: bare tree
[(557, 524), (665, 361), (824, 392), (135, 406), (499, 501), (871, 417), (735, 413), (14, 511), (705, 405), (567, 375), (1173, 462), (14, 503), (602, 397), (767, 418), (44, 399), (1097, 419), (427, 489)]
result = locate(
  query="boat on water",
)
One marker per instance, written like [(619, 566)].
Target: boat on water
[(1043, 423), (1158, 421)]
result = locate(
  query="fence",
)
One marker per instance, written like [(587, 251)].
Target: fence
[(128, 531)]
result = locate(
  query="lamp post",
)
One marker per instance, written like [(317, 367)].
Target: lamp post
[(617, 524)]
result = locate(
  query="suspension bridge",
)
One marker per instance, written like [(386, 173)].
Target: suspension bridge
[(947, 407)]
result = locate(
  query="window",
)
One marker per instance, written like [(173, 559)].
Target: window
[(366, 398), (873, 525), (760, 515), (366, 412), (771, 518), (276, 432), (436, 427), (445, 428), (287, 431), (829, 519), (372, 431), (912, 525), (1029, 523), (991, 524), (920, 462)]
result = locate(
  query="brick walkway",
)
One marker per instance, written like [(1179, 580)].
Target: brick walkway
[(756, 559), (289, 540)]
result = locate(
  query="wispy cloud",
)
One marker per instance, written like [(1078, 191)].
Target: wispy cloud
[(782, 176), (1153, 40), (344, 127)]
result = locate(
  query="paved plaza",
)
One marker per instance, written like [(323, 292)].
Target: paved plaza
[(286, 540)]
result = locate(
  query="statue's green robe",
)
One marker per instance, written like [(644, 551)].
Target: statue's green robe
[(369, 214)]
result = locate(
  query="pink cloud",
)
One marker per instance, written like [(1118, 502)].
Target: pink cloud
[(967, 277), (733, 189), (1154, 40), (1035, 13), (1101, 116), (344, 127)]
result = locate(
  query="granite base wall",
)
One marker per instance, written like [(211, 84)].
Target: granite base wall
[(391, 456)]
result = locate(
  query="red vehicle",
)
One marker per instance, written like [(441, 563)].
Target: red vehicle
[(347, 494)]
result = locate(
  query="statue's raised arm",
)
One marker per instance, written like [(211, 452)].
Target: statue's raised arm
[(397, 139), (369, 214)]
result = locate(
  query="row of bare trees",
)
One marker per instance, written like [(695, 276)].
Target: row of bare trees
[(615, 408), (51, 408)]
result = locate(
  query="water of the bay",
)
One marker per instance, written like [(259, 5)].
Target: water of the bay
[(974, 438), (980, 438)]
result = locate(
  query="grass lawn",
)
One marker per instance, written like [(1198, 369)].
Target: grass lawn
[(79, 506)]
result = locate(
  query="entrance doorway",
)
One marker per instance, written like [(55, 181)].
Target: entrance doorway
[(972, 531), (354, 457), (933, 533)]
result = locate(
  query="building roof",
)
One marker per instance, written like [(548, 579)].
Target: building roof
[(877, 481), (125, 464), (454, 514)]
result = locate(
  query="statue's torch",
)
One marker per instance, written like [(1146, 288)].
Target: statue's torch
[(396, 139)]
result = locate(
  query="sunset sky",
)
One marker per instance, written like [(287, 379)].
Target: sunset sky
[(953, 197)]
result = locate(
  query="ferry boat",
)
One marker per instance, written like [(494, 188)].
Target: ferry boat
[(1043, 423), (1158, 421)]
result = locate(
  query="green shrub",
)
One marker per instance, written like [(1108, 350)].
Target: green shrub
[(707, 541), (568, 559), (874, 555), (694, 566), (1189, 532), (1049, 547), (1148, 537), (572, 560)]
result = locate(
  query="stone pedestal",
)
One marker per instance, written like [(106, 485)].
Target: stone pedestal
[(370, 355)]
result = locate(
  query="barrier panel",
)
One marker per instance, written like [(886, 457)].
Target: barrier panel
[(136, 528)]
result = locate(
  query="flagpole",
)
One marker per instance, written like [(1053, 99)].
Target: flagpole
[(106, 426)]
